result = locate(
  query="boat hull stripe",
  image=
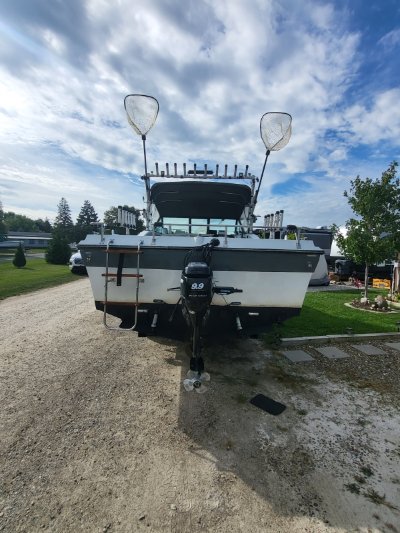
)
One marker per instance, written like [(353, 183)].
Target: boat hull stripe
[(222, 260)]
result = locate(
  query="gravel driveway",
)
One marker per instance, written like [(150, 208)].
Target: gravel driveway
[(98, 435)]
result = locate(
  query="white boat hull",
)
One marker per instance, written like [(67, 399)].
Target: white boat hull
[(270, 278), (260, 289)]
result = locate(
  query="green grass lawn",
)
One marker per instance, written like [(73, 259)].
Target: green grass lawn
[(6, 255), (37, 274), (324, 313)]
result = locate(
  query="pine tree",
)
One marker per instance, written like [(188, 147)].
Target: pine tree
[(84, 223), (63, 224), (19, 260), (87, 215)]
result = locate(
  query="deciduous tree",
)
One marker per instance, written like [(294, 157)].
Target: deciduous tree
[(374, 235), (43, 225), (16, 222)]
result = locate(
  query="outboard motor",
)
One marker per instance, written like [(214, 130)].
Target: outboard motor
[(196, 287), (197, 293)]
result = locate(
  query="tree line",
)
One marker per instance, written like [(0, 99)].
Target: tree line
[(63, 224), (64, 231), (10, 221)]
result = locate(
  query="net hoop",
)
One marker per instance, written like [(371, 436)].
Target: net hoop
[(142, 111), (275, 130)]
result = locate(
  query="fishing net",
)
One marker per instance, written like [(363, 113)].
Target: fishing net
[(142, 112), (275, 129)]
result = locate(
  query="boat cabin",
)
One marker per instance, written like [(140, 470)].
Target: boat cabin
[(200, 208)]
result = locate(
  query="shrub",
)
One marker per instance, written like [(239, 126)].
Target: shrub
[(19, 260), (58, 251)]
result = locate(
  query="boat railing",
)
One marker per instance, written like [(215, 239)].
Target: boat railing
[(225, 231)]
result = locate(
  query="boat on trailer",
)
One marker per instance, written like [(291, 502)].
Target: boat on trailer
[(201, 267)]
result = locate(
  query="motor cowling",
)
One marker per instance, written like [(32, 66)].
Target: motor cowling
[(196, 286)]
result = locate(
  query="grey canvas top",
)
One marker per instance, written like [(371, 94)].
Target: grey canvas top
[(200, 199)]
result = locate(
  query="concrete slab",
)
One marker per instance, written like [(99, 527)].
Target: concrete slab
[(288, 341), (332, 352), (368, 349), (297, 356), (395, 345), (301, 340)]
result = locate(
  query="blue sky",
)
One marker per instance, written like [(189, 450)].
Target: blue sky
[(216, 67)]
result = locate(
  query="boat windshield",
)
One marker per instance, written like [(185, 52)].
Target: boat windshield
[(197, 226)]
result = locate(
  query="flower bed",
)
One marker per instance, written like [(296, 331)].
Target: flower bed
[(379, 305)]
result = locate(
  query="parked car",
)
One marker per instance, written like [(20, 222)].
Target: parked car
[(76, 264), (345, 268)]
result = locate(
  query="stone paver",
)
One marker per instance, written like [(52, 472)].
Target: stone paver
[(368, 349), (297, 356), (332, 352), (395, 345)]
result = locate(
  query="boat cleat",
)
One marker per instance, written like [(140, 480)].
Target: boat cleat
[(195, 381)]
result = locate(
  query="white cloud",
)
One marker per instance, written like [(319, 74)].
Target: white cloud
[(215, 67), (390, 39), (378, 122)]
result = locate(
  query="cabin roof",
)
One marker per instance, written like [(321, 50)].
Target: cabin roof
[(200, 199)]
